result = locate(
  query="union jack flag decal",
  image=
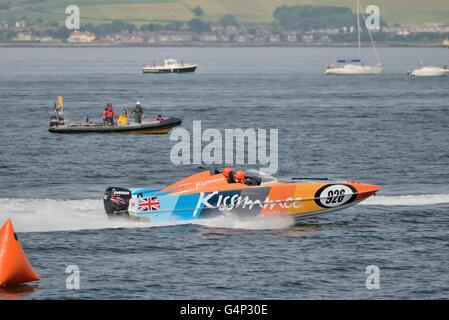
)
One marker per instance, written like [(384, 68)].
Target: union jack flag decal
[(149, 204)]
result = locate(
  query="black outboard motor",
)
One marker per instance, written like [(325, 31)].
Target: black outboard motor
[(116, 201)]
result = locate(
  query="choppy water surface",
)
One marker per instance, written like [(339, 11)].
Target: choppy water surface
[(390, 130)]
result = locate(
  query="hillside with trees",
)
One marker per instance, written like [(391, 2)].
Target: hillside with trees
[(245, 11)]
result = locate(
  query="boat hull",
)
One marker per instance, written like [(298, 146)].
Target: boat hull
[(297, 200), (170, 70), (160, 127), (353, 70), (429, 73)]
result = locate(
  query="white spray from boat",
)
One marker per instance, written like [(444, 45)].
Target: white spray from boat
[(47, 215)]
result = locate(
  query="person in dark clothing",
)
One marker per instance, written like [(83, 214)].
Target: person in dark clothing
[(105, 113), (252, 181), (138, 112)]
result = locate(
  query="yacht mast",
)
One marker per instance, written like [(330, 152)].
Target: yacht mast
[(358, 28), (369, 33)]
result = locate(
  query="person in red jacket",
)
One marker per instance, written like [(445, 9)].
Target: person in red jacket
[(108, 115)]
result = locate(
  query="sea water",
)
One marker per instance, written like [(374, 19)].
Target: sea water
[(390, 130)]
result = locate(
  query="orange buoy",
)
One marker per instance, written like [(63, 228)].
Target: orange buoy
[(14, 266)]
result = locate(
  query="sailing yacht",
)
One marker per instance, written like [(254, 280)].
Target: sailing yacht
[(356, 66)]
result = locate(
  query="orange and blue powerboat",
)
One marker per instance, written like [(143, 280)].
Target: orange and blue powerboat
[(210, 194)]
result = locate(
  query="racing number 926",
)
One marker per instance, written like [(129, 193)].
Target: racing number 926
[(334, 195)]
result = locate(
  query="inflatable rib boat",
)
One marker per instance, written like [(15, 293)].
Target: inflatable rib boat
[(207, 195), (153, 127)]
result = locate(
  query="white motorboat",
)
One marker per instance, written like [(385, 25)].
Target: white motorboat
[(429, 71), (170, 66), (356, 66)]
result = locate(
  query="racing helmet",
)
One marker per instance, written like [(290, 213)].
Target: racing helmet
[(239, 176), (227, 171)]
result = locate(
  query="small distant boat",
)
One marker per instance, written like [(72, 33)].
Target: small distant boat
[(356, 66), (159, 125), (170, 66), (445, 43), (152, 127), (429, 71)]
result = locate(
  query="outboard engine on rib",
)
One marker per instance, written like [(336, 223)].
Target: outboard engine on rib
[(116, 201), (57, 119)]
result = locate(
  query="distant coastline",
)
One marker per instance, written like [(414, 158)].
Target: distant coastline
[(214, 44)]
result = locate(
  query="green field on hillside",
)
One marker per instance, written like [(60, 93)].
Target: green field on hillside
[(246, 11)]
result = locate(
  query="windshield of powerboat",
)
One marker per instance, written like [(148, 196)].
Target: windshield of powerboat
[(262, 177)]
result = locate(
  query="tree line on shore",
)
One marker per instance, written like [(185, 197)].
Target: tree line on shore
[(301, 18)]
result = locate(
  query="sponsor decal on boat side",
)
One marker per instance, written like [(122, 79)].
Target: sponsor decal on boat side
[(118, 200), (200, 184), (228, 203), (124, 193)]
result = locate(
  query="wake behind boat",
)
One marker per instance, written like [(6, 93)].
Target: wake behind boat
[(170, 66), (244, 194)]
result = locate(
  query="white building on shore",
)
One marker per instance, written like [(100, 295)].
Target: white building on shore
[(81, 37)]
